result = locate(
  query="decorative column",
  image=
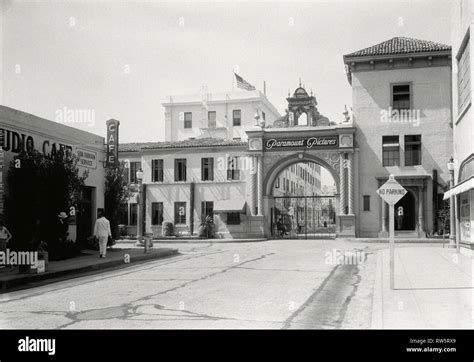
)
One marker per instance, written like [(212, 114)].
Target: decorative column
[(342, 185), (191, 208), (350, 183), (253, 184), (346, 227), (260, 185), (384, 216), (420, 208), (452, 210)]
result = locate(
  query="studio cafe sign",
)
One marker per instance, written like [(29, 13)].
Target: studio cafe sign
[(14, 142)]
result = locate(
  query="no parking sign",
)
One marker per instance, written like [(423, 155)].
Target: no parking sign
[(391, 191)]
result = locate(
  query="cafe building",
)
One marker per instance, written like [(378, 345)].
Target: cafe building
[(20, 129)]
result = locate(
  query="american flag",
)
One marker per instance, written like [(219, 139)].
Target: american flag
[(242, 83)]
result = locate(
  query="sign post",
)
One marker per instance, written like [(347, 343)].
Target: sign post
[(391, 192), (391, 231)]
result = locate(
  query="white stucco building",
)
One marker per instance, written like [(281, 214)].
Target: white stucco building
[(217, 115), (463, 122)]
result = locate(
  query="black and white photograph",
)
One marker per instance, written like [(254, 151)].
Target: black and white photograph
[(174, 174)]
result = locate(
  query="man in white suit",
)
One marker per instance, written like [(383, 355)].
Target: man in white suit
[(102, 232)]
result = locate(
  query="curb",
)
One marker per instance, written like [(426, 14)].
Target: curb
[(195, 241), (397, 241), (377, 302), (27, 279), (323, 237)]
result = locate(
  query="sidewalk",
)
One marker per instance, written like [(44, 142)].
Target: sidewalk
[(399, 240), (433, 290), (76, 267)]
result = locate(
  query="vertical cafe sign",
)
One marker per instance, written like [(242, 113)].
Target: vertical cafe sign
[(112, 141)]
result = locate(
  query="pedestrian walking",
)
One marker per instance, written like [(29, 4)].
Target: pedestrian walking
[(102, 232), (279, 226), (5, 237)]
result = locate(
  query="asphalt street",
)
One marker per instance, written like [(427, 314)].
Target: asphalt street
[(276, 284)]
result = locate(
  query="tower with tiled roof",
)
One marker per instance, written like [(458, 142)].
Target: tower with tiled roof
[(401, 106), (398, 53)]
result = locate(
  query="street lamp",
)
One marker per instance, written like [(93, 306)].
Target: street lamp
[(452, 221), (140, 214)]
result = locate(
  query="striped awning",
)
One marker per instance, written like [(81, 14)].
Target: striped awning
[(459, 189), (232, 205)]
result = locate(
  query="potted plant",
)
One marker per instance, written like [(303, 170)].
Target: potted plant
[(206, 227)]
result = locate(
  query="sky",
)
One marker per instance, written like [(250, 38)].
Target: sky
[(121, 59)]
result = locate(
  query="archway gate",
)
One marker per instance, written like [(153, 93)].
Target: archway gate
[(274, 149), (303, 217)]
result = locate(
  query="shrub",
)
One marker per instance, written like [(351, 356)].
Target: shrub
[(168, 228), (39, 189), (206, 228)]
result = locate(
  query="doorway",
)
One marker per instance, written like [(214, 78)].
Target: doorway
[(84, 215), (408, 205)]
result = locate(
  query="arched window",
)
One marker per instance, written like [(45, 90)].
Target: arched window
[(303, 119)]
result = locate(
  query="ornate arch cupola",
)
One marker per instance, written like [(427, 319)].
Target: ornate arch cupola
[(302, 110)]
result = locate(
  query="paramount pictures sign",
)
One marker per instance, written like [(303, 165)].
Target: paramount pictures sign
[(273, 144)]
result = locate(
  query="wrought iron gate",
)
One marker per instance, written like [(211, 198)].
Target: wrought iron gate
[(304, 217)]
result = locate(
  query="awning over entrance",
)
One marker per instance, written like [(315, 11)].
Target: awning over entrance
[(459, 189), (233, 205)]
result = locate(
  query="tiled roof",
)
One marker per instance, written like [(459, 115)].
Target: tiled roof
[(400, 45), (189, 143)]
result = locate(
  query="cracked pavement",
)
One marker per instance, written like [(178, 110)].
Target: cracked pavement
[(271, 285)]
